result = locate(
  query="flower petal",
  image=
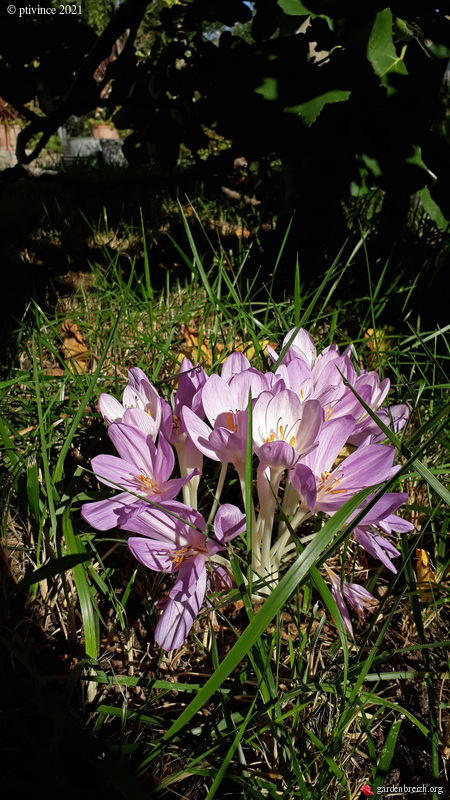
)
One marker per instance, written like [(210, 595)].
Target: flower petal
[(153, 554), (110, 513), (182, 606), (175, 524), (228, 523), (110, 408)]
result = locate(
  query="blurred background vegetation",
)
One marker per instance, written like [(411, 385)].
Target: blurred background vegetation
[(328, 110)]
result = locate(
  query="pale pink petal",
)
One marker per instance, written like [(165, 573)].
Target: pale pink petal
[(199, 433), (332, 438), (233, 365), (116, 472), (110, 513), (376, 547), (304, 482), (153, 555), (216, 398), (228, 523), (175, 524), (142, 420), (136, 376), (182, 606), (110, 408)]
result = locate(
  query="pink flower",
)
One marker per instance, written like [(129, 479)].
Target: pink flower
[(178, 544), (381, 516), (140, 396), (358, 597), (366, 467), (225, 405), (284, 428), (143, 471)]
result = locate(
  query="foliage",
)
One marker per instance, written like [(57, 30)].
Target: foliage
[(344, 96)]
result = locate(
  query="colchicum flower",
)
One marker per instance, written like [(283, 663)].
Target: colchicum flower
[(381, 516), (143, 471), (139, 395), (315, 446), (358, 597), (174, 540)]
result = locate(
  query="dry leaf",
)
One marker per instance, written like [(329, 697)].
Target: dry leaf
[(379, 344), (205, 358), (74, 349), (249, 350), (425, 576), (191, 348)]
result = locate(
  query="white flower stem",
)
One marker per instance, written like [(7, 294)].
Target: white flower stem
[(221, 481)]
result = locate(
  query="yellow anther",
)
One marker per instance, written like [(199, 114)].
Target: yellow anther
[(330, 411), (178, 556), (148, 483), (232, 426), (292, 441)]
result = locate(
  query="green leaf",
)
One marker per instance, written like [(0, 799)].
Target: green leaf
[(268, 89), (381, 50), (33, 487), (85, 596), (310, 110), (432, 209), (293, 8), (416, 160)]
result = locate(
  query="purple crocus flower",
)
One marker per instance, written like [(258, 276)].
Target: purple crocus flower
[(225, 406), (173, 540), (304, 348), (140, 396), (143, 470), (382, 516), (394, 417), (189, 393), (284, 428), (367, 466), (355, 594)]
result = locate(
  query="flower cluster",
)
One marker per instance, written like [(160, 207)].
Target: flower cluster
[(315, 444)]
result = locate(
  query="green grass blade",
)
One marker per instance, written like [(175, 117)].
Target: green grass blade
[(386, 756), (88, 611)]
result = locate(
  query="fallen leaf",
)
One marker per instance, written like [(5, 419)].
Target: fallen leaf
[(248, 348), (379, 344), (425, 576), (191, 349), (74, 350)]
